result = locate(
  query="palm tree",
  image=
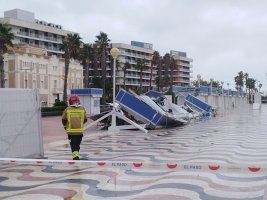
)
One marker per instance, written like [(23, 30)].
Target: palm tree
[(102, 43), (159, 74), (141, 66), (173, 66), (6, 37), (166, 63), (126, 66), (246, 76), (260, 86), (251, 86), (71, 47), (154, 62), (86, 57)]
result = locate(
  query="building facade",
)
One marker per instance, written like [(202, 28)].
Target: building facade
[(38, 33), (182, 74), (30, 67), (131, 53)]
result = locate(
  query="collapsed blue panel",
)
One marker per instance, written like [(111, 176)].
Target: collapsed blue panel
[(138, 106), (198, 103)]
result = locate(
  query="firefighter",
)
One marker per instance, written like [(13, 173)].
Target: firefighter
[(73, 119)]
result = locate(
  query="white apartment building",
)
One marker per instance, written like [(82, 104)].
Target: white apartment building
[(30, 67), (38, 33), (131, 53), (182, 74)]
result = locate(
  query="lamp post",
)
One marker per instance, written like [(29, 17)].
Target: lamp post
[(222, 86), (211, 80), (115, 52), (199, 79), (228, 89)]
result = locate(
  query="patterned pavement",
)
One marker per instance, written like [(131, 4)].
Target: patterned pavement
[(238, 137)]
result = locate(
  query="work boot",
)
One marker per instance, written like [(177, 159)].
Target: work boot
[(75, 155), (76, 158)]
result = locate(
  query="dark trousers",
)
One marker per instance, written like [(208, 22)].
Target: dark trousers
[(75, 141)]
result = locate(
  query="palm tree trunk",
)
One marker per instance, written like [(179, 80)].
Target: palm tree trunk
[(141, 80), (150, 80), (2, 72), (160, 79), (67, 64), (171, 89), (124, 77), (104, 75), (86, 75)]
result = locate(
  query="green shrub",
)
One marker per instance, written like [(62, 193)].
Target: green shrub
[(60, 103), (54, 108)]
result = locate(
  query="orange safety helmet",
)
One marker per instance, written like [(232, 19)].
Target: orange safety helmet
[(74, 99)]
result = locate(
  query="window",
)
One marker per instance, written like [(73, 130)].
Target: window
[(34, 84), (55, 83), (42, 85), (42, 82), (6, 83)]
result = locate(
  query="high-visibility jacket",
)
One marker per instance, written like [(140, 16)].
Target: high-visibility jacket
[(73, 119)]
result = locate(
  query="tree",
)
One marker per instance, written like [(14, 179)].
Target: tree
[(71, 47), (126, 66), (159, 78), (215, 84), (260, 86), (166, 65), (173, 66), (154, 62), (141, 66), (86, 57), (239, 80), (251, 86), (6, 37), (102, 43)]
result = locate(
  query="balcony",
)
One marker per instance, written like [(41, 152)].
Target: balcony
[(184, 70), (184, 75), (39, 37), (184, 81), (123, 53)]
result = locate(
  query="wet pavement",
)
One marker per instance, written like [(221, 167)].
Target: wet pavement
[(236, 137)]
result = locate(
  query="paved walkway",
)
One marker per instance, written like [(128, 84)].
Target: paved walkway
[(238, 137)]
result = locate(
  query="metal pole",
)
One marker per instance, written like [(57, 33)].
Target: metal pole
[(113, 120)]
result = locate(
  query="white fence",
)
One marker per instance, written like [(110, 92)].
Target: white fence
[(221, 102), (20, 123)]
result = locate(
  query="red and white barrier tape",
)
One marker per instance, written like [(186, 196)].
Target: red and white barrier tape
[(197, 167)]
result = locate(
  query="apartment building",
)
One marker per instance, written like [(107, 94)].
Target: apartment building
[(34, 32), (182, 74), (30, 67), (131, 53)]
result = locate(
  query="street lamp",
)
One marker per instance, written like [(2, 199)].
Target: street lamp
[(198, 79), (211, 80), (115, 52), (222, 86)]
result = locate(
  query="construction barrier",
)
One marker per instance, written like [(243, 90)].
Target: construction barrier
[(170, 166), (20, 123)]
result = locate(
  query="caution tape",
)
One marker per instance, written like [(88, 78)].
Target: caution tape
[(171, 166)]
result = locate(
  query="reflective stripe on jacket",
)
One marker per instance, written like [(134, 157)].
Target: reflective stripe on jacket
[(73, 119)]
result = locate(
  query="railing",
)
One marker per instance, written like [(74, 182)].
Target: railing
[(33, 35)]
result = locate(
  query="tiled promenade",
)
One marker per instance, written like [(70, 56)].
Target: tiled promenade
[(239, 137)]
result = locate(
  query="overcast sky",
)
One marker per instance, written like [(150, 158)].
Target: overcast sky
[(223, 37)]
